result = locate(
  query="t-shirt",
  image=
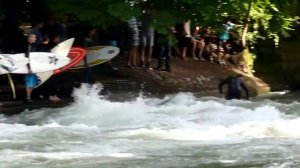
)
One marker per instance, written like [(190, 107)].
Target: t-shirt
[(225, 34), (132, 23), (39, 38), (146, 27)]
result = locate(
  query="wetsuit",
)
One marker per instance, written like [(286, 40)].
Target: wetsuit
[(235, 86)]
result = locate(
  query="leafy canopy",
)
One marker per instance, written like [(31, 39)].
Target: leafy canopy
[(267, 18)]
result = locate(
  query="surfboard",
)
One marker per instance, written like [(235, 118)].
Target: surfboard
[(98, 55), (63, 48), (43, 77), (42, 62), (10, 63), (76, 54), (46, 61)]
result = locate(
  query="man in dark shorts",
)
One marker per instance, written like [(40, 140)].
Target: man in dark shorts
[(147, 38)]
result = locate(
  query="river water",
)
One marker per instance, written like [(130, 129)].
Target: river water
[(177, 131)]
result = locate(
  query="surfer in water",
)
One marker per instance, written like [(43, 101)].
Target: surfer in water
[(235, 86)]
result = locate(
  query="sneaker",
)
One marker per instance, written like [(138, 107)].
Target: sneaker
[(222, 62), (158, 68), (134, 67), (28, 100), (143, 66), (130, 66), (114, 68), (195, 58), (211, 60), (147, 64)]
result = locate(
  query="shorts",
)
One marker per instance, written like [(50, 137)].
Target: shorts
[(223, 40), (147, 38), (31, 80), (185, 42), (135, 41)]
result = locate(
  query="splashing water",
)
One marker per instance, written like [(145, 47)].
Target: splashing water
[(176, 131)]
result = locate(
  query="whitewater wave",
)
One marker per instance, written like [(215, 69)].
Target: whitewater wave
[(176, 117)]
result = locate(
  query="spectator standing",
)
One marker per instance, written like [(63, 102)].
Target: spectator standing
[(31, 80), (50, 86), (36, 30), (224, 37), (89, 41), (147, 38), (134, 42), (198, 43), (164, 41)]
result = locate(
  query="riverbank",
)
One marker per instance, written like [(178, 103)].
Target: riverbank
[(199, 77), (196, 76)]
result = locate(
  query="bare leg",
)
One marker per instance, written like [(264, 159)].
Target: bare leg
[(143, 55), (176, 49), (150, 50), (134, 55), (129, 63), (28, 93), (184, 53), (194, 50), (201, 49)]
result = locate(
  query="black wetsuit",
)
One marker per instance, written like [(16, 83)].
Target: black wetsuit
[(235, 86)]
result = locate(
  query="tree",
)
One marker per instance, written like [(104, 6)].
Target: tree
[(261, 19), (97, 12)]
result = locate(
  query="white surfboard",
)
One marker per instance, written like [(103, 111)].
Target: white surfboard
[(42, 62), (46, 61), (61, 49), (43, 77), (98, 55), (17, 63), (10, 63)]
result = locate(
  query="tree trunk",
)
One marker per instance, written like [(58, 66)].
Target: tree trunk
[(247, 57), (244, 35), (246, 26)]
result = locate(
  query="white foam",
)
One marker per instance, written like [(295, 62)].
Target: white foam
[(176, 117), (14, 155)]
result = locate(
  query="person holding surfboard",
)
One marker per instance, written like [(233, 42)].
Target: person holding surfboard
[(50, 86), (31, 80)]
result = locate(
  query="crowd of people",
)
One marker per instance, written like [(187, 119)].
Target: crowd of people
[(137, 37), (198, 43)]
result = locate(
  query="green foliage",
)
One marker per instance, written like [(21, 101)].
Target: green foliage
[(97, 12), (267, 18)]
